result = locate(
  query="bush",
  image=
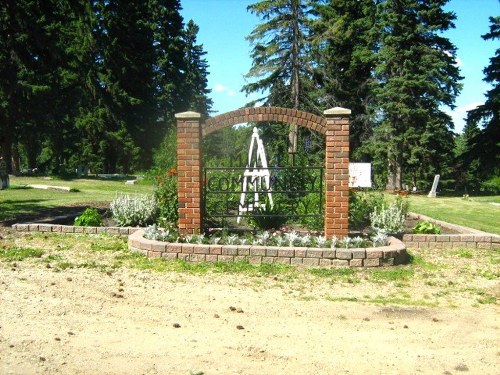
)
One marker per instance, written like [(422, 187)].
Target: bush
[(492, 185), (89, 218), (390, 220), (361, 205), (134, 211), (166, 196)]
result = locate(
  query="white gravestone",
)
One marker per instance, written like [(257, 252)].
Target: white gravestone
[(432, 193)]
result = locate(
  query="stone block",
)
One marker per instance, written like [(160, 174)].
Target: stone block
[(310, 261), (154, 254), (211, 258), (296, 261), (344, 254), (374, 253), (159, 246), (201, 249), (229, 250), (56, 228), (197, 257), (325, 262), (67, 229), (329, 254), (282, 260), (284, 252), (358, 253), (169, 256), (272, 251), (356, 263), (258, 251), (314, 253), (340, 263), (254, 259), (371, 262), (268, 259), (225, 258)]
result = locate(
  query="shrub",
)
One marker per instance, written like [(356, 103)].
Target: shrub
[(89, 218), (492, 185), (134, 211), (426, 227), (361, 205), (390, 220), (153, 232), (166, 196)]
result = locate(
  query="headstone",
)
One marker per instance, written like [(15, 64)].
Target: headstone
[(432, 193)]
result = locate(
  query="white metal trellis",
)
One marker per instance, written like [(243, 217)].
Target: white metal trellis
[(256, 177)]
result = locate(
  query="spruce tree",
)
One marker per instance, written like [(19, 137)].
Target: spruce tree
[(483, 148), (345, 44), (281, 64), (417, 75)]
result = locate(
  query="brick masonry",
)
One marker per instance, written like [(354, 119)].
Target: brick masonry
[(334, 126), (393, 254)]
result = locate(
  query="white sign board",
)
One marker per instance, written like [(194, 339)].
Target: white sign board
[(360, 175)]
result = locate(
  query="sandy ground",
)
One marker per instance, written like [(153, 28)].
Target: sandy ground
[(83, 321)]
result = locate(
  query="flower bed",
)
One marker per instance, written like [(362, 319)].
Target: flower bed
[(392, 254)]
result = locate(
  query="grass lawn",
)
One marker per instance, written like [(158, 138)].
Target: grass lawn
[(482, 213), (20, 199), (476, 212)]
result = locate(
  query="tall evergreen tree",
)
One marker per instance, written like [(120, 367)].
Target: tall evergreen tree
[(417, 75), (345, 44), (196, 89), (281, 59), (483, 149)]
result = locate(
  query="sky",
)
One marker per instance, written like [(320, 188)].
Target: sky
[(224, 24)]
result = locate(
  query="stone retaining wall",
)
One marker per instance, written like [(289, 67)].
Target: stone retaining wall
[(57, 228), (393, 254), (440, 241)]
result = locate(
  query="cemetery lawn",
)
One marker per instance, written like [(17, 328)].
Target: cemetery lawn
[(482, 213), (85, 304), (20, 200)]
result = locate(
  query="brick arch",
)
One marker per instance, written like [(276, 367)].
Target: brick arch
[(334, 125), (259, 114)]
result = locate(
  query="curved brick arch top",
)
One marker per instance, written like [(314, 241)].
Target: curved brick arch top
[(260, 114)]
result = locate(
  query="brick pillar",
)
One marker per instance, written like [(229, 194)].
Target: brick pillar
[(189, 185), (337, 172)]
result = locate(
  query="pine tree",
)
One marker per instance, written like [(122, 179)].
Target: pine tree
[(483, 153), (196, 89), (281, 60), (345, 46), (417, 75)]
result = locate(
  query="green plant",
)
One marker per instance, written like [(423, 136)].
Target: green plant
[(492, 185), (267, 217), (390, 220), (89, 218), (361, 205), (426, 227), (166, 196), (134, 211)]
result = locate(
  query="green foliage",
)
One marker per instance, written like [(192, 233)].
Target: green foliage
[(393, 274), (153, 232), (167, 197), (492, 185), (267, 216), (361, 205), (20, 253), (89, 218), (426, 227), (483, 146), (134, 210), (391, 219)]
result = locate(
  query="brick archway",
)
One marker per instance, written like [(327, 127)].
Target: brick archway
[(334, 125)]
